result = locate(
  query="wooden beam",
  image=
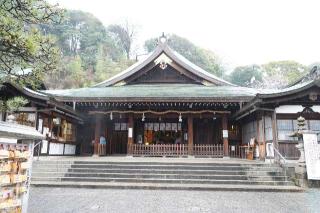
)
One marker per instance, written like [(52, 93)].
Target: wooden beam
[(190, 135), (130, 126), (186, 73), (225, 139), (263, 144), (275, 130), (97, 132)]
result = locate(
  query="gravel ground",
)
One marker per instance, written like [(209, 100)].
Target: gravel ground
[(67, 200)]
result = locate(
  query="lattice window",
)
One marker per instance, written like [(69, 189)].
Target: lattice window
[(268, 128), (286, 128)]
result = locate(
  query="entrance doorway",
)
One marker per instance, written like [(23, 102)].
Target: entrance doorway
[(118, 138)]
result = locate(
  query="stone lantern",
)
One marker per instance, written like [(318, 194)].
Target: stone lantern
[(300, 168)]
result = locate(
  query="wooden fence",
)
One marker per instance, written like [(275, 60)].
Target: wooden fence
[(101, 149), (175, 150), (204, 150), (236, 151), (158, 150)]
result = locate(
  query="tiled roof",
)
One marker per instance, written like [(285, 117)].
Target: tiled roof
[(155, 91)]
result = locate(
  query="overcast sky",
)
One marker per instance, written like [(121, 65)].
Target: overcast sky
[(240, 31)]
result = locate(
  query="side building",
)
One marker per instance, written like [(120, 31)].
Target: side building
[(55, 120)]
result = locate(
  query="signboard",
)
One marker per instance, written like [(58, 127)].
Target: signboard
[(124, 126), (270, 150), (130, 132), (156, 126), (312, 155), (174, 127), (168, 126), (162, 126), (225, 133), (44, 148), (117, 126)]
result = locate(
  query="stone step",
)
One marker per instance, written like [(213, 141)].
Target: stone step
[(174, 163), (176, 176), (176, 167), (162, 176), (169, 186), (152, 163), (140, 168), (153, 180), (182, 171), (202, 175), (43, 167)]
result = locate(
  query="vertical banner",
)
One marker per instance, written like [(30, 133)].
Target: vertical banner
[(312, 155)]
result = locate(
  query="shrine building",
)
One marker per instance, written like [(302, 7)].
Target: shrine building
[(164, 105)]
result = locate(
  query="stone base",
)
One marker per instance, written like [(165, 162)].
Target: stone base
[(314, 183), (301, 175)]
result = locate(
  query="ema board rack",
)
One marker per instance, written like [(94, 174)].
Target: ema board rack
[(15, 175)]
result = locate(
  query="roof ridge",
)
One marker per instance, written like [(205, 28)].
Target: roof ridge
[(163, 47)]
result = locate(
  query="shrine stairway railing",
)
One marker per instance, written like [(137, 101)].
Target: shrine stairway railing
[(176, 150)]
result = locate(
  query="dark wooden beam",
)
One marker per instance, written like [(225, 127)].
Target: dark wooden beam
[(97, 132), (190, 134), (225, 139), (130, 126)]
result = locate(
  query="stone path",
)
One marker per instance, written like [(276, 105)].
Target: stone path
[(69, 200)]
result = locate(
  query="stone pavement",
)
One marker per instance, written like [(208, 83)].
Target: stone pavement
[(79, 200)]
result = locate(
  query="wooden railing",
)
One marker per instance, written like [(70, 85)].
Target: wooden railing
[(158, 150), (175, 150), (214, 150), (236, 151), (100, 149)]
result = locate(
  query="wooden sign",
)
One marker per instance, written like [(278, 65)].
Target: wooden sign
[(168, 126), (150, 126), (156, 126), (162, 126), (174, 127)]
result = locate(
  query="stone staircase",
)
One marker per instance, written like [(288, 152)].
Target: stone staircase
[(162, 175)]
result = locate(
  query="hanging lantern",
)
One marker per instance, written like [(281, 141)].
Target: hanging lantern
[(143, 117), (180, 118), (111, 116)]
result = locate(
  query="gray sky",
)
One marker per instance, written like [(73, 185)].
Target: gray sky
[(240, 31)]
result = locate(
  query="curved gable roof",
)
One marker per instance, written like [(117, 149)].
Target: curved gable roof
[(173, 55)]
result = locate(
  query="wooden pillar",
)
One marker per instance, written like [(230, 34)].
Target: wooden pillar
[(97, 133), (258, 136), (263, 142), (130, 133), (225, 139), (275, 131), (190, 135)]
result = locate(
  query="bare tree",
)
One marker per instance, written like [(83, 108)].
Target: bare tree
[(125, 35)]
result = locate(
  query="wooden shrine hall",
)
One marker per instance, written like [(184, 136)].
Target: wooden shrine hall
[(164, 105)]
